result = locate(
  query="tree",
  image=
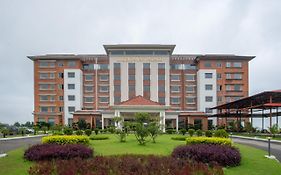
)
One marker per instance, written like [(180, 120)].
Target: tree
[(17, 124), (248, 127), (5, 131), (141, 133), (154, 130), (82, 124), (274, 130)]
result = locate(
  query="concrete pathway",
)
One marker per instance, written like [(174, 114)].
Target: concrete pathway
[(14, 143), (275, 147)]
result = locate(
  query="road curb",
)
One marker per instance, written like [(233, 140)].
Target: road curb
[(24, 137), (256, 139)]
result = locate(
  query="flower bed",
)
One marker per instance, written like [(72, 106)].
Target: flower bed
[(221, 154), (55, 151), (66, 139), (208, 140), (123, 165)]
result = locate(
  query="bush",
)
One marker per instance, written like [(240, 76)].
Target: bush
[(199, 132), (181, 138), (208, 140), (141, 133), (123, 165), (191, 132), (57, 133), (183, 131), (79, 132), (221, 133), (88, 132), (96, 130), (55, 151), (154, 130), (68, 131), (170, 131), (208, 133), (221, 154), (121, 135), (99, 137), (66, 139)]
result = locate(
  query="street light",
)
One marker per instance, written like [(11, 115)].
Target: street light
[(269, 151)]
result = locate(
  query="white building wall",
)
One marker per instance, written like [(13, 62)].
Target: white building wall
[(154, 81), (202, 92), (78, 92)]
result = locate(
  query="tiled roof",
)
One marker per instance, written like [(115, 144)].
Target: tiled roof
[(139, 101)]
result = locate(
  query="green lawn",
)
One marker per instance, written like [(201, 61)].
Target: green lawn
[(253, 161)]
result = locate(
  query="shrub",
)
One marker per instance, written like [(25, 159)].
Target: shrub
[(57, 133), (141, 133), (96, 130), (199, 132), (154, 130), (221, 133), (99, 137), (88, 132), (191, 132), (170, 131), (121, 135), (67, 131), (208, 140), (123, 165), (55, 151), (79, 132), (181, 138), (66, 139), (208, 133), (183, 131), (221, 154)]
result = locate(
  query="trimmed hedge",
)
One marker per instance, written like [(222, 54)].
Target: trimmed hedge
[(123, 165), (99, 137), (180, 138), (55, 151), (209, 140), (221, 133), (69, 139), (221, 154)]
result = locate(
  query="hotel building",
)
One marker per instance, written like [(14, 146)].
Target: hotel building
[(178, 89)]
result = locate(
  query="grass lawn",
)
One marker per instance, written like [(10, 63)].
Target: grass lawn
[(253, 161)]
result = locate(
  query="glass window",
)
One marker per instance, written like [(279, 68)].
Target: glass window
[(104, 77), (43, 109), (237, 87), (88, 99), (161, 65), (218, 76), (71, 63), (190, 88), (146, 88), (161, 77), (60, 64), (146, 77), (43, 64), (52, 98), (44, 75), (71, 74), (175, 100), (116, 65), (117, 99), (103, 88), (228, 64), (236, 98), (52, 75), (176, 66), (71, 97), (88, 66), (71, 108), (131, 65), (60, 75), (71, 86), (189, 77), (237, 76), (237, 64), (208, 110), (52, 108), (89, 88), (103, 66), (161, 100), (43, 97), (175, 77), (146, 65), (175, 88), (132, 88), (219, 88), (89, 77), (207, 64), (60, 98), (228, 87), (228, 76), (209, 99), (61, 109), (208, 87), (228, 99), (190, 100), (161, 52), (132, 77), (117, 77), (43, 86), (219, 99), (103, 99), (161, 88), (208, 75), (219, 64), (60, 86), (117, 88), (117, 52)]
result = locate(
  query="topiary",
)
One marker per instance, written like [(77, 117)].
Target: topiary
[(88, 132), (208, 133), (79, 132), (191, 132), (199, 132), (96, 130), (68, 131), (221, 133), (183, 131)]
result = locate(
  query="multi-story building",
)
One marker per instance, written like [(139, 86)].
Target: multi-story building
[(177, 89)]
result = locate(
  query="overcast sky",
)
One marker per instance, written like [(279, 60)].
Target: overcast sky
[(33, 27)]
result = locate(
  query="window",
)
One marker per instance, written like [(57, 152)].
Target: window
[(208, 110), (209, 99), (60, 64), (228, 76), (161, 65), (52, 76), (132, 77), (161, 77), (190, 89), (228, 99), (146, 65), (71, 74), (43, 109), (103, 66), (52, 108), (71, 86), (44, 75), (89, 88), (175, 88), (117, 88), (131, 65), (71, 98), (219, 64), (43, 64), (60, 86), (218, 76), (89, 77), (88, 99), (60, 98), (146, 88), (219, 88), (60, 75), (208, 75), (43, 86), (161, 100), (208, 87), (189, 66), (103, 77), (237, 87), (176, 66), (71, 108), (103, 99), (61, 109), (88, 66), (228, 64), (132, 88), (71, 63), (236, 98), (237, 64), (189, 77), (117, 77), (52, 98), (146, 77), (175, 77), (103, 88), (161, 88), (43, 97), (228, 87), (219, 99), (117, 99), (237, 76), (190, 100), (207, 64), (116, 65), (175, 100)]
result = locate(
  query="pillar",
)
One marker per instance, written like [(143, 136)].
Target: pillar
[(177, 123), (162, 120), (102, 122)]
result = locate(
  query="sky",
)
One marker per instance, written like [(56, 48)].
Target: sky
[(35, 27)]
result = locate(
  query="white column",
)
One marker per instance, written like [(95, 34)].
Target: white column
[(102, 122), (162, 120), (177, 123), (117, 114)]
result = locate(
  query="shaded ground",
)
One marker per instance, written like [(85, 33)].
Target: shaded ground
[(275, 147), (8, 145)]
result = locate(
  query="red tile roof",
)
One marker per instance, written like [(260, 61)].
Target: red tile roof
[(138, 101)]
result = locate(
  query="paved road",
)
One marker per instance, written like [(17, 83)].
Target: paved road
[(275, 147), (8, 145)]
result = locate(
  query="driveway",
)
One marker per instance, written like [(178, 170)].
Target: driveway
[(275, 147)]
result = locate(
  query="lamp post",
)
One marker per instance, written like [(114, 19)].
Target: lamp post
[(269, 152)]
